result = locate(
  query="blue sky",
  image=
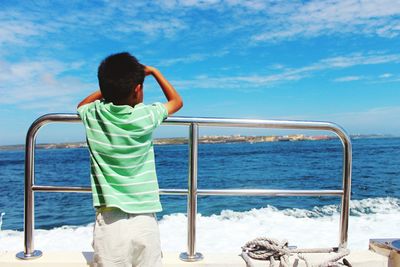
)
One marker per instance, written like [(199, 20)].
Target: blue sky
[(310, 60)]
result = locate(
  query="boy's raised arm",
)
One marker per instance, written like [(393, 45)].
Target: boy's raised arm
[(175, 102), (91, 98)]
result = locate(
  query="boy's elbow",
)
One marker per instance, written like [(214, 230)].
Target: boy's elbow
[(180, 103)]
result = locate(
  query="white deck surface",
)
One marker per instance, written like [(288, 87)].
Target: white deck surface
[(82, 259)]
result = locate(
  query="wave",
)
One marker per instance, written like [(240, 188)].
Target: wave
[(357, 208), (229, 230)]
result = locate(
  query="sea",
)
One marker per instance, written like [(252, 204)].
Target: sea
[(64, 221)]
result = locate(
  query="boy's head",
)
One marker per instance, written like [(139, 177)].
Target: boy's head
[(119, 75)]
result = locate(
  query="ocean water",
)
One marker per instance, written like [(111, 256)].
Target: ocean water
[(64, 220)]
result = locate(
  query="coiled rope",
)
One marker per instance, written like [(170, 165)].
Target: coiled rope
[(278, 253)]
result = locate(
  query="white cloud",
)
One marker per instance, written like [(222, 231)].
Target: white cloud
[(190, 58), (40, 84), (260, 20), (360, 59), (348, 79), (112, 19), (386, 75), (167, 27), (18, 32), (316, 18), (288, 74), (198, 3), (236, 82)]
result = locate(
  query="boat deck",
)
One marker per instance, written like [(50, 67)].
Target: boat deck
[(364, 258)]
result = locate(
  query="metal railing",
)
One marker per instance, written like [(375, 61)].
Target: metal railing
[(192, 192)]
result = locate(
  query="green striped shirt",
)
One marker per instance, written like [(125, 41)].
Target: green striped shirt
[(123, 173)]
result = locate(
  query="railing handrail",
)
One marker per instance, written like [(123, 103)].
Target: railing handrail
[(192, 192)]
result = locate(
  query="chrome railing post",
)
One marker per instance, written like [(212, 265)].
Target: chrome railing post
[(345, 210), (191, 254), (29, 214)]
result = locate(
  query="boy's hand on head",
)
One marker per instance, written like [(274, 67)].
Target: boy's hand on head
[(174, 99)]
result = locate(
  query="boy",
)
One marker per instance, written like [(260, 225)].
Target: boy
[(119, 131)]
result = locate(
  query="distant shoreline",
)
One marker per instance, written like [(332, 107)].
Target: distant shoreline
[(209, 140)]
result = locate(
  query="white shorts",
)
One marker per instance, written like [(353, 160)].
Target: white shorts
[(122, 239)]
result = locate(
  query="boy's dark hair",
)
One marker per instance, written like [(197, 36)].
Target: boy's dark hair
[(118, 75)]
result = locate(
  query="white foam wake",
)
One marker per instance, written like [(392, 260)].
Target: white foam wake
[(228, 231)]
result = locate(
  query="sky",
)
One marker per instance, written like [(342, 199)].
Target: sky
[(329, 60)]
